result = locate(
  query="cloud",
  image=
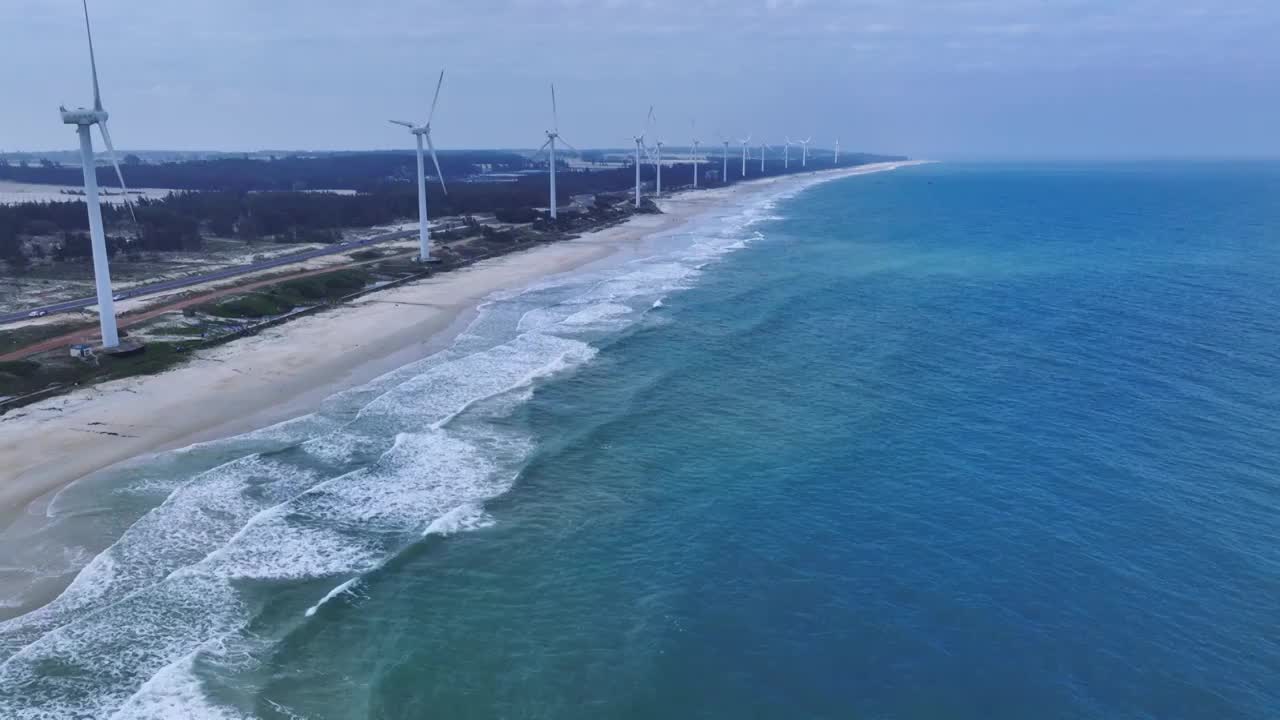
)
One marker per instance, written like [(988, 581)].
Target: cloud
[(853, 66)]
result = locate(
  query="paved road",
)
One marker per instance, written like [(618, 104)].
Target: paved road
[(81, 303)]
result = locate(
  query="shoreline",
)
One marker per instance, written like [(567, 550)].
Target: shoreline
[(289, 370)]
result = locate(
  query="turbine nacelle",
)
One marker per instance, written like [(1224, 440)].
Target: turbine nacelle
[(83, 116)]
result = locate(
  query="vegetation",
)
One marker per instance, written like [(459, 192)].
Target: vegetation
[(26, 376), (188, 330), (19, 368), (267, 200), (12, 339), (255, 305), (286, 296)]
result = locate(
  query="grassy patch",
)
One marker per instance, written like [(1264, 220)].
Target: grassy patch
[(21, 337), (20, 368), (28, 376), (257, 305), (283, 297), (182, 330)]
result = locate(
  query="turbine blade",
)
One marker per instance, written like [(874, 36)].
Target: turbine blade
[(93, 62), (568, 144), (555, 113), (401, 122), (111, 152), (435, 99), (538, 152), (436, 160)]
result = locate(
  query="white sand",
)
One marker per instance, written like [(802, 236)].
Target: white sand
[(286, 371)]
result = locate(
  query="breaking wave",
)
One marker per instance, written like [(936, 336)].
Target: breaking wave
[(321, 501)]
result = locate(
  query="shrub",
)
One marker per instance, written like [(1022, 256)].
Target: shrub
[(251, 306), (20, 368)]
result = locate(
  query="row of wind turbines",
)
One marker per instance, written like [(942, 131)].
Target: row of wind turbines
[(84, 119), (422, 133)]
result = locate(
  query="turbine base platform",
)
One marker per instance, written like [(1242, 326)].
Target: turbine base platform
[(124, 349)]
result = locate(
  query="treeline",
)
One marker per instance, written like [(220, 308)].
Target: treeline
[(182, 220), (355, 171)]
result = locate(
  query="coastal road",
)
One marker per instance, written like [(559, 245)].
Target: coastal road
[(167, 285)]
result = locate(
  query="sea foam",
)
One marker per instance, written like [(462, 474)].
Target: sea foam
[(336, 495)]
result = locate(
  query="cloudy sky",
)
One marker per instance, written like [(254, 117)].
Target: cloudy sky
[(929, 78)]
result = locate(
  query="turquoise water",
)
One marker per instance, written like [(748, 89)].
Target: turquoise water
[(947, 442)]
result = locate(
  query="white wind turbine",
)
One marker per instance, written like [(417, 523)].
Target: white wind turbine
[(724, 177), (696, 159), (550, 146), (744, 142), (763, 146), (786, 154), (837, 158), (658, 162), (657, 158), (84, 119), (420, 133), (804, 154), (639, 140)]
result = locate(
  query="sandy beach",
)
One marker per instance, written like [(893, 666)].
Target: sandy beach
[(288, 370)]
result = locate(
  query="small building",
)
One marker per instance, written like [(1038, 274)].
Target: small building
[(82, 351)]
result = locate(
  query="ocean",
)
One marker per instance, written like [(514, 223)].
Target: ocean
[(953, 441)]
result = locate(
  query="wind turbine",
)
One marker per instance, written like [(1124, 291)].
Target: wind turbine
[(724, 176), (657, 159), (763, 146), (658, 162), (744, 142), (550, 146), (696, 160), (804, 155), (837, 159), (786, 154), (84, 119), (420, 133), (639, 140)]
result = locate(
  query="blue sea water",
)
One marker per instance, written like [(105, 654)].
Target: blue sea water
[(984, 441)]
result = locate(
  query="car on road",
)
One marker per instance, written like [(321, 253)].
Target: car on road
[(118, 297), (37, 313)]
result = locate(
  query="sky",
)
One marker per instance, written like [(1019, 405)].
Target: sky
[(942, 79)]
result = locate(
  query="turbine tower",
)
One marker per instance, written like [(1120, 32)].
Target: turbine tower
[(724, 176), (763, 146), (639, 140), (786, 154), (550, 146), (84, 119), (804, 154), (836, 161), (744, 142), (421, 133), (695, 159), (658, 162)]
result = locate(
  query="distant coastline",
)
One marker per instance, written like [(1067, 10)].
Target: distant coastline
[(287, 371)]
